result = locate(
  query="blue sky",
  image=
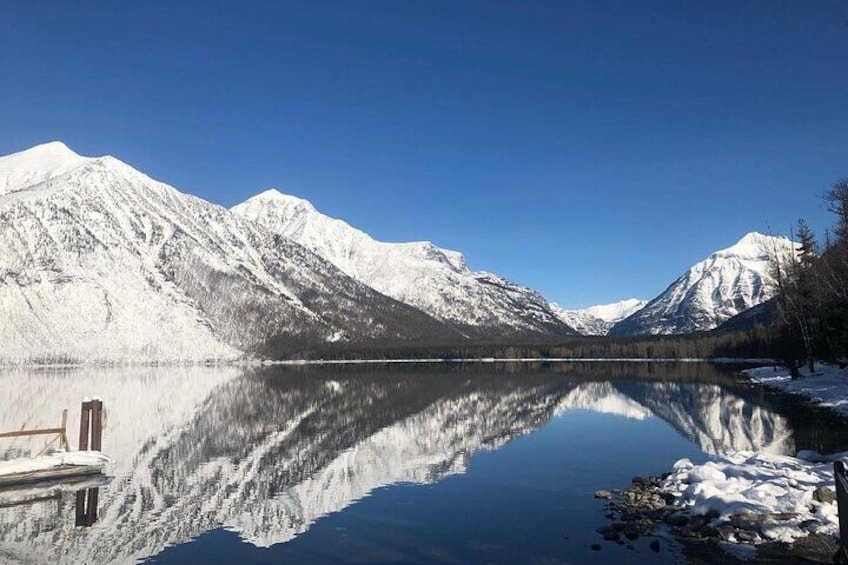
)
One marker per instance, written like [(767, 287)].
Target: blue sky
[(592, 150)]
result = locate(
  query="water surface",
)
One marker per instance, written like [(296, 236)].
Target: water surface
[(422, 463)]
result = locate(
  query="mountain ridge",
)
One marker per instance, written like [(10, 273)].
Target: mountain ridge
[(598, 319), (101, 263), (419, 273), (724, 284)]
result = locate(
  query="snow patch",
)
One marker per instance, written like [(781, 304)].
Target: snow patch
[(827, 386), (774, 492), (52, 461)]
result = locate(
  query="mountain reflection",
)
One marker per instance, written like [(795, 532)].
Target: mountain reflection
[(267, 452)]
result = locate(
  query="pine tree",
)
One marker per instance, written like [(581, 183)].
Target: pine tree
[(837, 202)]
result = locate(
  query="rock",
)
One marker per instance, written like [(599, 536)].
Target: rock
[(725, 532), (655, 546), (807, 523), (816, 546), (746, 536), (603, 494), (619, 526), (596, 547), (612, 536), (746, 520), (698, 522), (606, 530), (676, 519), (823, 495)]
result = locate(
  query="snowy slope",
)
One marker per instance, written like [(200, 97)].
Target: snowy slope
[(420, 274), (714, 290), (597, 320), (99, 262)]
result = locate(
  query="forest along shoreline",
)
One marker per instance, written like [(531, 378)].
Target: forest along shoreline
[(776, 506)]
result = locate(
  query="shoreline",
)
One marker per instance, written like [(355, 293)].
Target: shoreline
[(732, 501), (432, 360), (647, 509)]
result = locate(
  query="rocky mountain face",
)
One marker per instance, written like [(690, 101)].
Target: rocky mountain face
[(99, 262), (712, 291), (598, 320), (435, 280)]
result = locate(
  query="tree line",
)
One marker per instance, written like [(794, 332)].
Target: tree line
[(812, 291), (756, 342)]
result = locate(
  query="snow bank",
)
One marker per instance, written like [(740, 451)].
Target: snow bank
[(827, 386), (52, 461), (769, 496)]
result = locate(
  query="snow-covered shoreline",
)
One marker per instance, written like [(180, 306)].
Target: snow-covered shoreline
[(759, 497), (753, 497), (254, 362), (827, 386), (770, 497)]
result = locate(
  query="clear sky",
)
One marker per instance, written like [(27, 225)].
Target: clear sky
[(590, 149)]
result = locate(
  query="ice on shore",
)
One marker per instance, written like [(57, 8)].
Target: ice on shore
[(770, 495)]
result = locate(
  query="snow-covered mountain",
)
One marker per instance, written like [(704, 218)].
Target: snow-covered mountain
[(420, 274), (714, 290), (597, 320), (99, 262)]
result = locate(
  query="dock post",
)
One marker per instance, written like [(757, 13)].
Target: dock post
[(86, 507), (96, 425), (840, 475), (79, 508), (85, 418), (63, 438)]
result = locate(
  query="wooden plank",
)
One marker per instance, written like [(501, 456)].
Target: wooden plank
[(28, 501), (23, 433), (49, 474)]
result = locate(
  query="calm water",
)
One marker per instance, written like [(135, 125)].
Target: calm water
[(430, 463)]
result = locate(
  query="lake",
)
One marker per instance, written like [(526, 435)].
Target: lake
[(422, 463)]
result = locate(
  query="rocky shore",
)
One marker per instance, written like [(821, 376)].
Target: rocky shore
[(647, 509)]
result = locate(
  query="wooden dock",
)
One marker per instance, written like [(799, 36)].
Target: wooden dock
[(64, 464), (52, 474)]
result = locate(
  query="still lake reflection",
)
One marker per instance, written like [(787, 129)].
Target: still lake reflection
[(422, 463)]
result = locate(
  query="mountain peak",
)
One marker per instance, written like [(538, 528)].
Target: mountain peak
[(729, 281), (37, 164), (45, 153), (755, 245), (274, 195), (55, 147)]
